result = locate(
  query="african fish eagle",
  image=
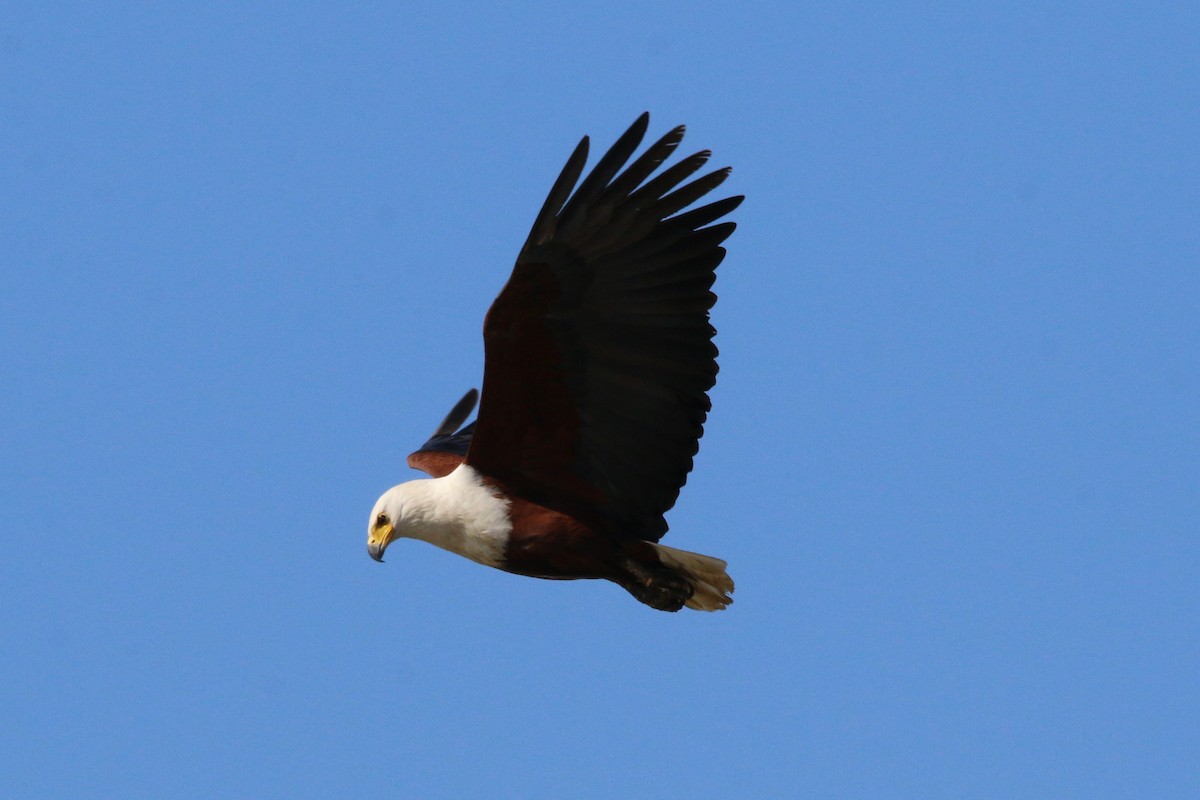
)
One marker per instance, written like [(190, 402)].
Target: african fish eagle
[(598, 361)]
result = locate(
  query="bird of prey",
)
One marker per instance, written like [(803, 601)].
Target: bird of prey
[(598, 358)]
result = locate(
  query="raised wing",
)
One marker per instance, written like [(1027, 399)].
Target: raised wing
[(448, 446), (599, 352)]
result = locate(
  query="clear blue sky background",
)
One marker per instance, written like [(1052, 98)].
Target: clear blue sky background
[(953, 460)]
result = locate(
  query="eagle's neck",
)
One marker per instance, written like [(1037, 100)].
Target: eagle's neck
[(458, 513)]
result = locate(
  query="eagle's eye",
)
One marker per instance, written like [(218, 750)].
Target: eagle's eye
[(381, 520)]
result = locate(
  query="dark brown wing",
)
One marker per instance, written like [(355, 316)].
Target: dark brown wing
[(599, 351), (448, 446)]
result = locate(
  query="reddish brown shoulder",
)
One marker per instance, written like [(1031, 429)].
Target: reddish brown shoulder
[(435, 463)]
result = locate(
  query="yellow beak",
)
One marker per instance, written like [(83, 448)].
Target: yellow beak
[(377, 541)]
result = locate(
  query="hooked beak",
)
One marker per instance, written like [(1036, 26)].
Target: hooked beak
[(377, 542)]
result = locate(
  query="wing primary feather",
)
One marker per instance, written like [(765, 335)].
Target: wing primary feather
[(646, 163), (546, 222), (694, 242), (699, 217), (625, 211), (671, 177), (574, 213), (684, 196), (458, 415)]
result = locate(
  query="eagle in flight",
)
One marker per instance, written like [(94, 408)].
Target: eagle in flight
[(598, 361)]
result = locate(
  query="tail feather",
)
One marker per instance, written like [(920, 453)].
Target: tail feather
[(711, 583)]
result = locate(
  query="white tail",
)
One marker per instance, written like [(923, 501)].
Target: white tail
[(711, 583)]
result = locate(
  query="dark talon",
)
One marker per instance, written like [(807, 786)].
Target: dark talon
[(660, 589)]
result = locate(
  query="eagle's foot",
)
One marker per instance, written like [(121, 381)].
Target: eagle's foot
[(659, 588)]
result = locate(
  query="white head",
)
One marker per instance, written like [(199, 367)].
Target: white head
[(456, 512), (387, 521)]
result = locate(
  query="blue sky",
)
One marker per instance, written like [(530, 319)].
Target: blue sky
[(953, 460)]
